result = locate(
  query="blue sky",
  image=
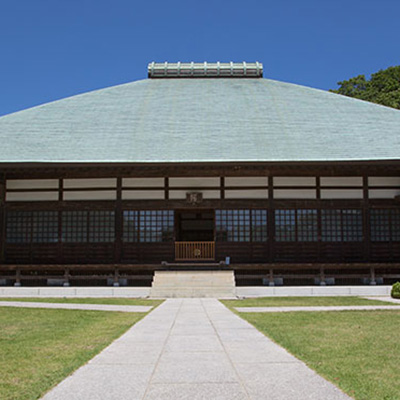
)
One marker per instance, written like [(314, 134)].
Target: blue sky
[(51, 49)]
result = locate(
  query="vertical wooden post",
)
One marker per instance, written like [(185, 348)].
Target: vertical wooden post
[(116, 277), (66, 277), (322, 281), (366, 221), (2, 219), (271, 220), (271, 281), (17, 277), (373, 279), (118, 223)]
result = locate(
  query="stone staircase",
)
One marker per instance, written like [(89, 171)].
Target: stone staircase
[(217, 284)]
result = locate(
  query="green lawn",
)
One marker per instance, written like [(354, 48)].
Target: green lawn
[(303, 301), (121, 301), (40, 347), (359, 351)]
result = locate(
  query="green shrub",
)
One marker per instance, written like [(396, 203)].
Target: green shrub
[(396, 291)]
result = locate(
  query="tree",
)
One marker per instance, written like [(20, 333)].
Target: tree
[(382, 88)]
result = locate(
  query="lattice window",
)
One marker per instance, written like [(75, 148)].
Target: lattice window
[(395, 225), (331, 221), (259, 231), (307, 225), (148, 226), (32, 227), (44, 226), (19, 226), (156, 226), (233, 225), (296, 225), (380, 225), (342, 225), (101, 226), (131, 226), (88, 226), (285, 225), (385, 225), (74, 226), (352, 225)]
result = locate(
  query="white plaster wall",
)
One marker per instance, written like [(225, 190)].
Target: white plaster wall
[(90, 183), (384, 181), (341, 194), (91, 195), (295, 194), (194, 182), (294, 181), (143, 195), (143, 182), (32, 196), (383, 194), (181, 194), (32, 184), (342, 181), (246, 181), (246, 194)]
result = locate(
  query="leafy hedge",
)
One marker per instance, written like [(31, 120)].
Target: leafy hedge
[(396, 291)]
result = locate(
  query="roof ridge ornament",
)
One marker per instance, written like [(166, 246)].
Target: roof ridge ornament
[(205, 70)]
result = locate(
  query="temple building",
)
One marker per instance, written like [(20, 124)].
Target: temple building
[(202, 165)]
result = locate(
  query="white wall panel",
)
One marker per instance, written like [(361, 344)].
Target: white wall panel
[(294, 181), (143, 182), (383, 194), (32, 196), (32, 184), (247, 181), (341, 194), (295, 194), (91, 195), (342, 181), (143, 195), (193, 182), (384, 181), (181, 194), (90, 183), (246, 194)]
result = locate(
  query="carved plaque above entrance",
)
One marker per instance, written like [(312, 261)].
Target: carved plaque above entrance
[(194, 198)]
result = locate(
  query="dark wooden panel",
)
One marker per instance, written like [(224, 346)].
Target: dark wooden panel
[(296, 252)]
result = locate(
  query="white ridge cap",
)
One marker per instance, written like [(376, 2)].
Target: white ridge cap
[(205, 70)]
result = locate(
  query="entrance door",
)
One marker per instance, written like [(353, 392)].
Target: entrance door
[(194, 235), (195, 226)]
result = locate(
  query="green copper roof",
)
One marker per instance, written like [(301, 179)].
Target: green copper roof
[(182, 120)]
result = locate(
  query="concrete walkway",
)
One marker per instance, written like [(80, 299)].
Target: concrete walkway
[(194, 349), (70, 306), (384, 298), (314, 308)]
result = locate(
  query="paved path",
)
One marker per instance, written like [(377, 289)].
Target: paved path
[(70, 306), (194, 349), (384, 298), (314, 308)]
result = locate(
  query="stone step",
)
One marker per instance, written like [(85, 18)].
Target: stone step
[(193, 284)]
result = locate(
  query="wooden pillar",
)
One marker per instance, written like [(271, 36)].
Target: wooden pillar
[(322, 281), (116, 277), (373, 279), (271, 220), (17, 277), (271, 281), (66, 277), (2, 220), (366, 221), (118, 223)]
